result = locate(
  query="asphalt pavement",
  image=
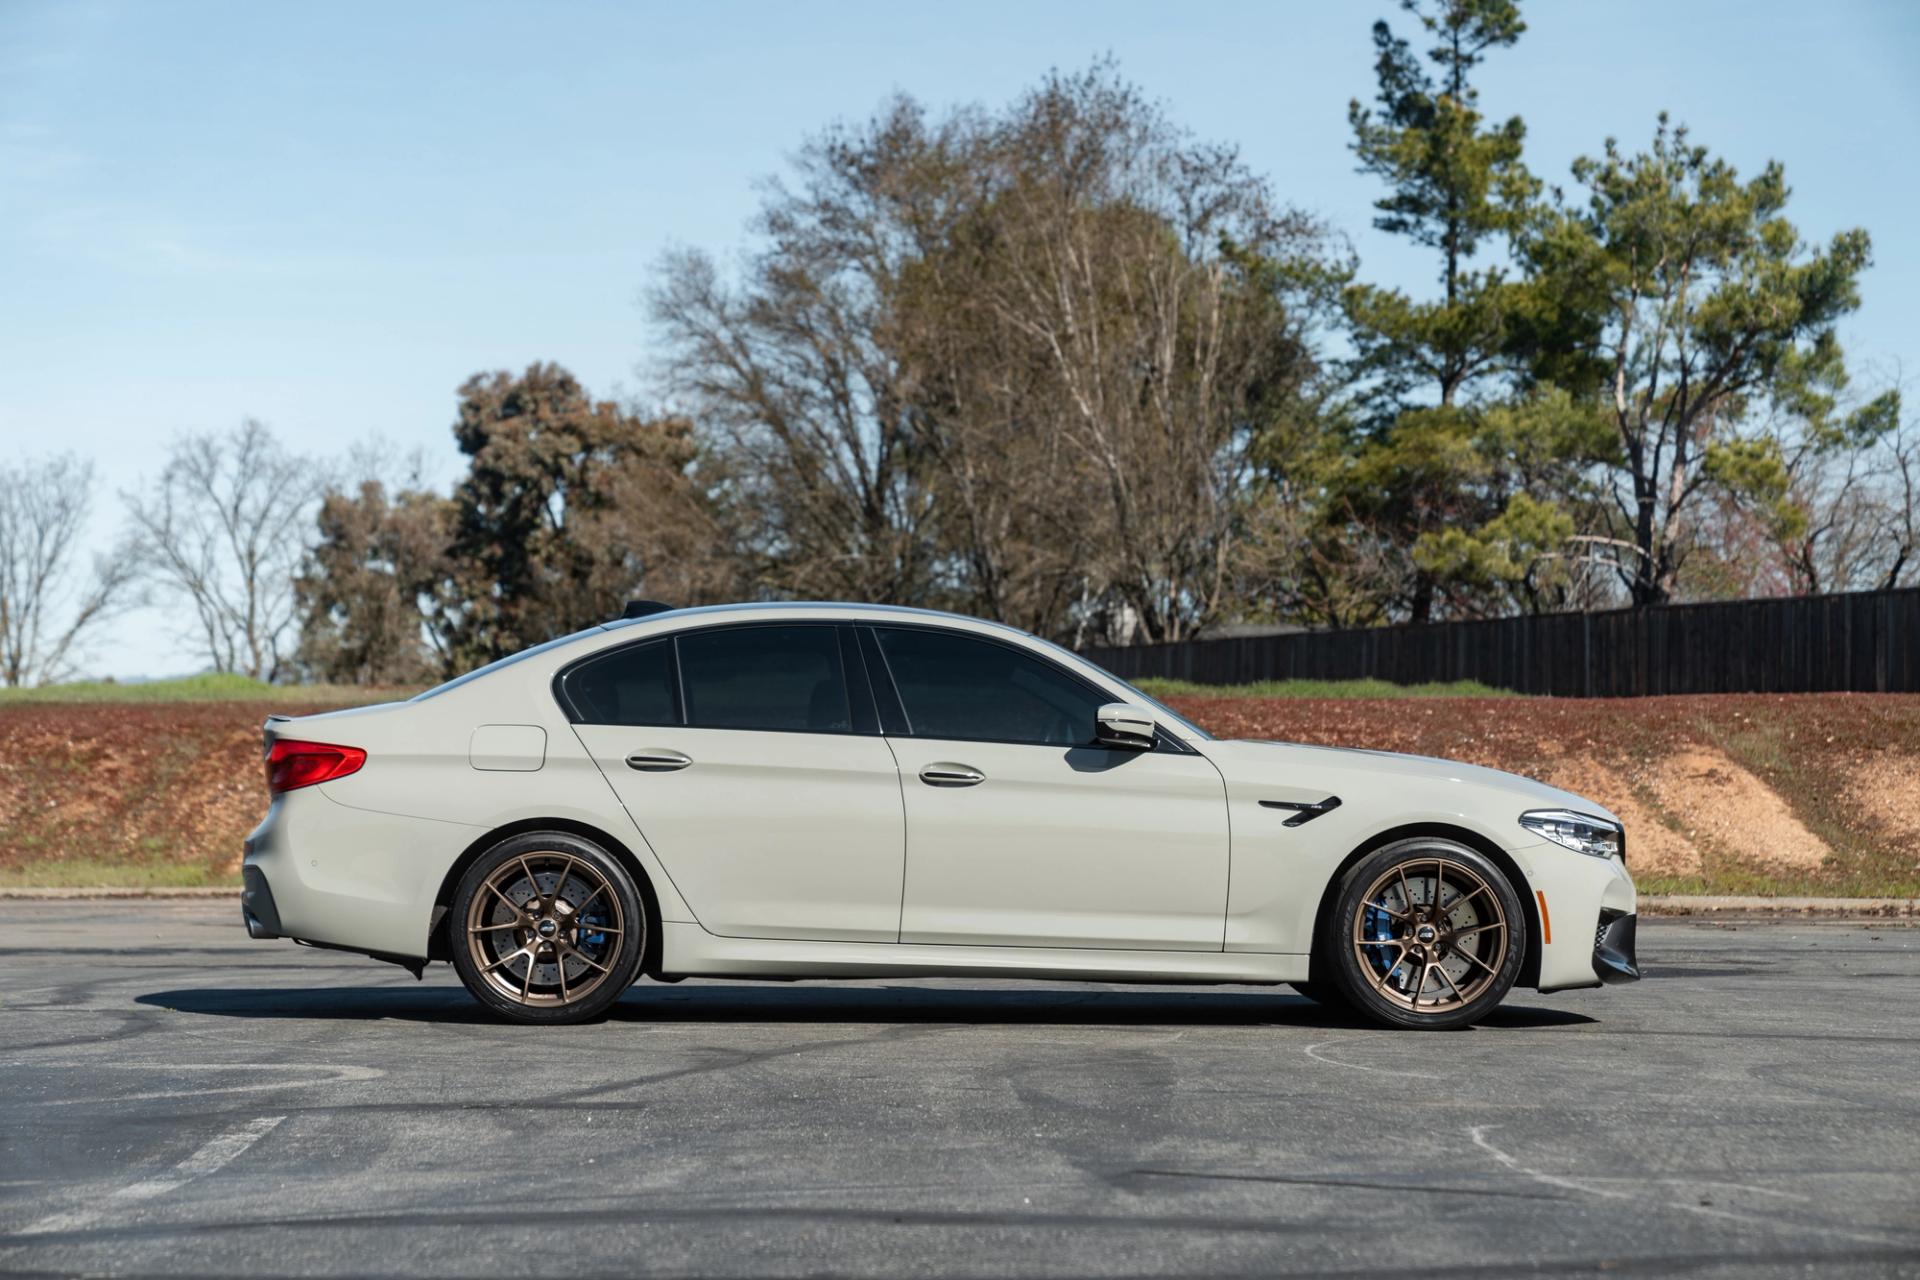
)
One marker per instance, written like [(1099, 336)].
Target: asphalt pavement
[(179, 1100)]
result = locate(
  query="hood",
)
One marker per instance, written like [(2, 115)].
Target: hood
[(1253, 752)]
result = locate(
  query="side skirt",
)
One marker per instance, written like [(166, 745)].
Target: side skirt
[(688, 951)]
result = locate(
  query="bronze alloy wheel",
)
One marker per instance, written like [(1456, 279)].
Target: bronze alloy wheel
[(545, 929), (1431, 935)]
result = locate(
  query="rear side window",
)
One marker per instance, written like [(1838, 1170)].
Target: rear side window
[(956, 686), (774, 677), (628, 686)]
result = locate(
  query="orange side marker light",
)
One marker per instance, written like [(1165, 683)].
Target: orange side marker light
[(1546, 921)]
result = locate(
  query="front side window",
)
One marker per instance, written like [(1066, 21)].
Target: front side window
[(771, 677), (957, 686), (633, 686)]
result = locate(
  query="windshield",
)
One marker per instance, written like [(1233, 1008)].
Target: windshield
[(495, 665), (1146, 699)]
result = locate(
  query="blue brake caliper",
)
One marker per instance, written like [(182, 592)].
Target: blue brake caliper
[(594, 938), (1378, 927)]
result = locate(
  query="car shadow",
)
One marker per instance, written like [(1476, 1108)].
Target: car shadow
[(730, 1002)]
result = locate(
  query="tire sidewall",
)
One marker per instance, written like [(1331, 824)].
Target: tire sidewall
[(633, 942), (1344, 967)]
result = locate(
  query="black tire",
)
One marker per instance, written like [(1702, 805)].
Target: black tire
[(1465, 945), (570, 913)]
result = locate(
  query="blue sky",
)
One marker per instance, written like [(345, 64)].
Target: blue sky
[(327, 216)]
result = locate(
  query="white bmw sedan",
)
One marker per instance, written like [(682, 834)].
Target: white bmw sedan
[(851, 791)]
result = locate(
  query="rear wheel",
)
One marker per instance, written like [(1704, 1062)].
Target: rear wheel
[(548, 928), (1426, 933)]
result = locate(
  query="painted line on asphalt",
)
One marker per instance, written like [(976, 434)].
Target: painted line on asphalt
[(332, 1073), (1479, 1133), (215, 1155), (1313, 1051)]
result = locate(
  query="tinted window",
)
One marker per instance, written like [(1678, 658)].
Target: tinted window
[(956, 686), (627, 686), (765, 678)]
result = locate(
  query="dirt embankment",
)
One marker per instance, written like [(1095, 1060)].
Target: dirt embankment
[(1739, 794), (130, 793)]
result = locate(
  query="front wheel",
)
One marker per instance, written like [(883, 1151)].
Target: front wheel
[(549, 928), (1425, 934)]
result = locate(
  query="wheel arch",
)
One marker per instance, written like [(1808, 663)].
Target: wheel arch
[(439, 932), (1529, 975)]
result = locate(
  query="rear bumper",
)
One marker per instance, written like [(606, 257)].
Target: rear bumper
[(321, 872), (1613, 955), (257, 908)]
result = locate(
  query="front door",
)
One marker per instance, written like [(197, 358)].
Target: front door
[(760, 785), (1020, 832)]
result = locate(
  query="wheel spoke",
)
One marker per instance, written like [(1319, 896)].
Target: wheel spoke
[(532, 881), (1457, 994), (1477, 960), (526, 984), (1380, 980), (586, 959), (1422, 988), (1477, 890), (1480, 928), (510, 958), (503, 897), (560, 963), (1381, 906), (495, 928), (582, 905)]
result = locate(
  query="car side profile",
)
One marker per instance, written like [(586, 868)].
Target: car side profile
[(852, 791)]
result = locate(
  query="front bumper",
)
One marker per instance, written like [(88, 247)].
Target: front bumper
[(1613, 954)]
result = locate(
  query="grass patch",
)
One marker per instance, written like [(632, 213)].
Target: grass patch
[(95, 873), (210, 687), (1368, 688)]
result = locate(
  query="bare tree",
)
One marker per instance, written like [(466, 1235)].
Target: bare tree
[(1132, 269), (45, 605), (224, 529), (802, 398), (1008, 361), (1852, 523)]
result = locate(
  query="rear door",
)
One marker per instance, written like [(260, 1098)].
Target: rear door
[(753, 766), (1021, 830)]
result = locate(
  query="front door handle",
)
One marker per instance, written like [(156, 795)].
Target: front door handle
[(658, 760), (951, 775)]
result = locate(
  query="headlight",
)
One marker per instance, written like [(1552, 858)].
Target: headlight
[(1581, 832)]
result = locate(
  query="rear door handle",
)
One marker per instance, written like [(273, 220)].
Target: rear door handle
[(951, 775), (658, 760)]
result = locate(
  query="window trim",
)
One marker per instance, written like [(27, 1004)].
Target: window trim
[(1163, 742), (672, 640)]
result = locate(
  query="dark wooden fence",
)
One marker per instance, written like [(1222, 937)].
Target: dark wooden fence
[(1867, 641)]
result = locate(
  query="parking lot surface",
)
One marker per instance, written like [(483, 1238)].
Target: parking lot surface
[(179, 1100)]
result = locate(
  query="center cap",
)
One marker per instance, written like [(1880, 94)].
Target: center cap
[(547, 928), (1426, 933)]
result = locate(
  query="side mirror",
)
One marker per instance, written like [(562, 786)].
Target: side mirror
[(1124, 725)]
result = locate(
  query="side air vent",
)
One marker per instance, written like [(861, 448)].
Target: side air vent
[(1302, 813)]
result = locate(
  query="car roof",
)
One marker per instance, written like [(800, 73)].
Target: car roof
[(842, 608)]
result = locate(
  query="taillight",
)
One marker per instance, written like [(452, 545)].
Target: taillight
[(292, 764)]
